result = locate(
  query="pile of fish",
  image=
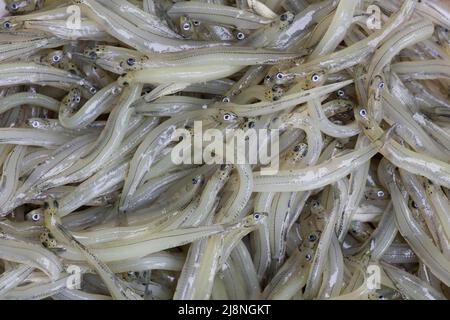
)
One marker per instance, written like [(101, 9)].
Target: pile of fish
[(109, 188)]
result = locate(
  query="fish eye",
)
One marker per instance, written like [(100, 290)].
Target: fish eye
[(240, 36), (195, 180), (257, 216), (93, 90), (7, 25), (381, 85), (341, 93), (36, 217), (380, 193), (227, 117), (196, 22), (226, 99), (312, 237), (186, 26), (14, 6), (363, 112), (315, 204), (268, 77), (308, 257), (131, 61), (315, 77), (283, 17), (280, 76), (56, 58)]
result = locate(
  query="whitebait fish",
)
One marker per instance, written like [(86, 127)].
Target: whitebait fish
[(288, 101), (10, 50), (235, 150), (187, 74), (129, 33), (218, 14), (31, 137), (145, 20), (31, 73), (239, 56), (90, 111), (316, 176), (28, 98), (88, 30)]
